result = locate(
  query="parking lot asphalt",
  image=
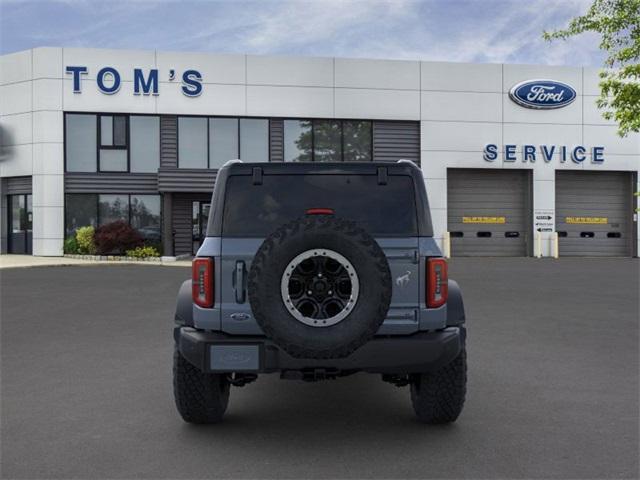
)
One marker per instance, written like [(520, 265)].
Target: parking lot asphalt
[(553, 385)]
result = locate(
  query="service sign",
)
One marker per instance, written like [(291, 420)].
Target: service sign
[(542, 94), (511, 152)]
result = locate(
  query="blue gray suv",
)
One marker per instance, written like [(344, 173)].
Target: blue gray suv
[(317, 271)]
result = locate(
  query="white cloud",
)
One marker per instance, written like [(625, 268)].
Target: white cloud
[(455, 30)]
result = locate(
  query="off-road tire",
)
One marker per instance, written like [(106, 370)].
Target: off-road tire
[(200, 397), (438, 397), (317, 232)]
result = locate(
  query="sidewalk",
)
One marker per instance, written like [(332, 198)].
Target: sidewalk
[(26, 261)]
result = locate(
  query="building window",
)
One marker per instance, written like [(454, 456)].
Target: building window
[(192, 142), (328, 141), (113, 143), (254, 140), (145, 217), (80, 211), (80, 142), (357, 141), (113, 131), (211, 142), (199, 218), (223, 141), (113, 160), (297, 141), (145, 143), (112, 208), (142, 212)]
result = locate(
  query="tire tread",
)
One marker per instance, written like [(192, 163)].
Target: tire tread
[(199, 397), (438, 397), (340, 226)]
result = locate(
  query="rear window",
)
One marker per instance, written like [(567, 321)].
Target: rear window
[(257, 210)]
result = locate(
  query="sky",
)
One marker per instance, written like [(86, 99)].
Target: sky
[(486, 31)]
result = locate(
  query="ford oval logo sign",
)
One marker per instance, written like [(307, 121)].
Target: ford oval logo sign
[(542, 94)]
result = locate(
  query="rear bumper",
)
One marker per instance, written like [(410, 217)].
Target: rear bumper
[(420, 352)]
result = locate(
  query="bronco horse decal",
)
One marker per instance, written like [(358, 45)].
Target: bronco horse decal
[(403, 280)]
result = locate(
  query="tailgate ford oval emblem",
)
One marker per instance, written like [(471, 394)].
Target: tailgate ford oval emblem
[(542, 94), (239, 316)]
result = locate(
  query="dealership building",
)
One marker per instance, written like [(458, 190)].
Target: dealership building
[(517, 159)]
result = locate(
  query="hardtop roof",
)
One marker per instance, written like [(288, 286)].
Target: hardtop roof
[(355, 168)]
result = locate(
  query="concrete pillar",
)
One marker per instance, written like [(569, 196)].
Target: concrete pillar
[(48, 215), (48, 154), (544, 204), (434, 172)]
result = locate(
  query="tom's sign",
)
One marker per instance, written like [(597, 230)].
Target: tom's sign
[(542, 94), (108, 80)]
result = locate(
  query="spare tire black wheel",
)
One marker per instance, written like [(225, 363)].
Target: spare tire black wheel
[(320, 287)]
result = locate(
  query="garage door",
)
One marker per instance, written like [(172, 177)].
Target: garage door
[(593, 213), (488, 212)]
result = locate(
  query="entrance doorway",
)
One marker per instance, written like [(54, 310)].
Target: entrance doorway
[(20, 224), (199, 219)]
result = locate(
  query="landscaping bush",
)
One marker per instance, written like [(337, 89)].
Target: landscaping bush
[(84, 240), (143, 252), (116, 238), (70, 245)]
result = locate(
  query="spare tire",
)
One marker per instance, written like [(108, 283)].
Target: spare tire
[(320, 287)]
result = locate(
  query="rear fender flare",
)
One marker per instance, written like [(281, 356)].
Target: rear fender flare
[(455, 305), (184, 305)]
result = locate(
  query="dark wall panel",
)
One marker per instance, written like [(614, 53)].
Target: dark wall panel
[(18, 185), (393, 141), (186, 180), (276, 140), (168, 141), (110, 183)]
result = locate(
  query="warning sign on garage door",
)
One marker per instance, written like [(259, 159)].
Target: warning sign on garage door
[(587, 220), (494, 220), (544, 220)]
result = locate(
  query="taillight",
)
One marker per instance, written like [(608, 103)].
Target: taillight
[(437, 282), (202, 282)]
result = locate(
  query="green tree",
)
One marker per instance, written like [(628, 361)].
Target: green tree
[(618, 23), (333, 140)]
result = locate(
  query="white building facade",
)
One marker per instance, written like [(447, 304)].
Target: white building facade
[(91, 136)]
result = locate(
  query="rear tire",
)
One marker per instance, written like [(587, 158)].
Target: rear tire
[(438, 397), (200, 397)]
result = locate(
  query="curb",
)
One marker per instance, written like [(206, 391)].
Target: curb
[(116, 258), (76, 261)]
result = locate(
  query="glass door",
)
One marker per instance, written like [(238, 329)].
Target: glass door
[(199, 219), (20, 224)]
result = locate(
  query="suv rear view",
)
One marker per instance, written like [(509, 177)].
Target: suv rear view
[(317, 271)]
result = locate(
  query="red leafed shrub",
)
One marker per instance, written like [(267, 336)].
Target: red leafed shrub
[(116, 238)]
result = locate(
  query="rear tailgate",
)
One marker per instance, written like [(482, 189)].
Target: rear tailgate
[(253, 209)]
